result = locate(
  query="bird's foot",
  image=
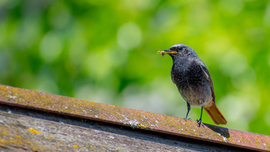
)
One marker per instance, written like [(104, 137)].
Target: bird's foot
[(187, 118), (199, 122)]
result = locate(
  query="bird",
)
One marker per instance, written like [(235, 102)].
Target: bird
[(194, 82)]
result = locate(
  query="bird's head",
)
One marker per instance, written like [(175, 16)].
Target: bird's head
[(179, 50)]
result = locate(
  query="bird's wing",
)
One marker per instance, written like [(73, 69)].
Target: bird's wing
[(207, 76)]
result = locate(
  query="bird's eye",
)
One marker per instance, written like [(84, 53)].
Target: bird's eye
[(180, 48)]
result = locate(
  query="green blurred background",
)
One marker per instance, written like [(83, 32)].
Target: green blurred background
[(106, 51)]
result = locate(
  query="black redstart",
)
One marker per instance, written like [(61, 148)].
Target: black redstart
[(193, 81)]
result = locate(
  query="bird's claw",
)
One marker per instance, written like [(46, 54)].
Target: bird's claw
[(187, 118), (199, 122)]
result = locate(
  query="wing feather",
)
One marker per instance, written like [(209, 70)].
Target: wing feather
[(207, 76)]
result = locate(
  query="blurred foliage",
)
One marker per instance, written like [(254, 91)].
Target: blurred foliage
[(106, 51)]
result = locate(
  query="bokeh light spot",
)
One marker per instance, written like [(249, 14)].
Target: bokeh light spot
[(129, 36), (50, 47), (232, 7), (266, 18), (233, 63), (267, 117)]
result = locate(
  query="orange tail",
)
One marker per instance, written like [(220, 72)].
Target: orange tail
[(215, 114)]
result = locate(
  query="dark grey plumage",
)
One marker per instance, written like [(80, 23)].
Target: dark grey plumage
[(190, 76), (193, 81)]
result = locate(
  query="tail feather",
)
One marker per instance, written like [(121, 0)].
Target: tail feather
[(215, 114)]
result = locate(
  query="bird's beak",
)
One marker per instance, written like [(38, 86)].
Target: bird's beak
[(169, 52)]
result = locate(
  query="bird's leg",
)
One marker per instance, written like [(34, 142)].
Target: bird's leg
[(188, 109), (200, 120)]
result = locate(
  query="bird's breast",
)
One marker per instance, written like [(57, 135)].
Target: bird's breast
[(192, 85)]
